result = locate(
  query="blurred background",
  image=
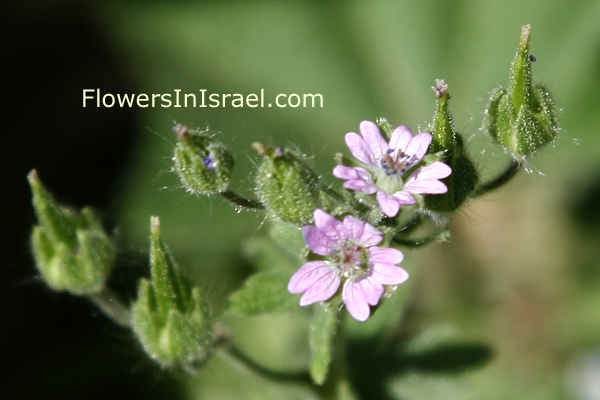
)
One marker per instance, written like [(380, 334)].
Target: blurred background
[(522, 272)]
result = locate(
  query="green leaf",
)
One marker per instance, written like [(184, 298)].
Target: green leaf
[(321, 339), (264, 293), (265, 255)]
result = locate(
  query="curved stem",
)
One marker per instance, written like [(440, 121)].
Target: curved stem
[(234, 355), (242, 201), (108, 302), (421, 242), (494, 184)]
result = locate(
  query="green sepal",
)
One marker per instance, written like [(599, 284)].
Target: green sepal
[(170, 317), (448, 145), (521, 118), (71, 250), (286, 185), (322, 341), (203, 164), (264, 293)]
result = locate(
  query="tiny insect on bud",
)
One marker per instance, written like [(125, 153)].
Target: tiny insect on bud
[(203, 164), (521, 118)]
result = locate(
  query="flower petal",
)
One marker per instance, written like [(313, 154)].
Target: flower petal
[(404, 197), (362, 232), (355, 301), (400, 138), (418, 147), (357, 178), (322, 290), (308, 274), (361, 186), (374, 140), (426, 187), (436, 170), (389, 204), (385, 255), (387, 274), (318, 279), (359, 148), (318, 241)]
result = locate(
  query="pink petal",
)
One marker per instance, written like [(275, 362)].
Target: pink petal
[(318, 279), (436, 170), (387, 274), (418, 147), (429, 186), (324, 220), (385, 255), (308, 274), (355, 301), (359, 148), (389, 204), (400, 138), (358, 178), (361, 186), (318, 241), (374, 140), (358, 295), (362, 232), (322, 290), (404, 197)]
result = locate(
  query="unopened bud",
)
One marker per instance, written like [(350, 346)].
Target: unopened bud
[(521, 118), (448, 145), (170, 317), (71, 250), (287, 187), (203, 165)]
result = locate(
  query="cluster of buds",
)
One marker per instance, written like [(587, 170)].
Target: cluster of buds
[(397, 186)]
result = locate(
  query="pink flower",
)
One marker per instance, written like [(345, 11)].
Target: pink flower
[(352, 257), (385, 166)]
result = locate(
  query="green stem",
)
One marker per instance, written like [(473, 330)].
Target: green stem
[(108, 302), (514, 167), (236, 357), (421, 242), (242, 201)]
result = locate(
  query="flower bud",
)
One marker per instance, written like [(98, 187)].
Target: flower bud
[(71, 250), (521, 118), (203, 165), (287, 187), (169, 317), (447, 145)]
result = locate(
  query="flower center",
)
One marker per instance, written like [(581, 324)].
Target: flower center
[(352, 259), (389, 177)]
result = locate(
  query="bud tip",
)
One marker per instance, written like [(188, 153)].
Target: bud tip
[(440, 89)]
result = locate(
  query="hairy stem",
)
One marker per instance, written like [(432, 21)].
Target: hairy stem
[(108, 302), (514, 167), (242, 201)]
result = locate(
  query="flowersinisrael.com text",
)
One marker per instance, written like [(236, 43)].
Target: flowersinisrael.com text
[(94, 97)]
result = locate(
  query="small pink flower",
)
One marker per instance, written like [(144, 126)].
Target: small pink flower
[(385, 166), (351, 256)]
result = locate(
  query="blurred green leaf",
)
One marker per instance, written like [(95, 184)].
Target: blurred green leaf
[(321, 340), (264, 293)]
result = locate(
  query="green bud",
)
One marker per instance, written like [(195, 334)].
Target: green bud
[(287, 187), (170, 317), (448, 147), (203, 165), (521, 118), (71, 250)]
